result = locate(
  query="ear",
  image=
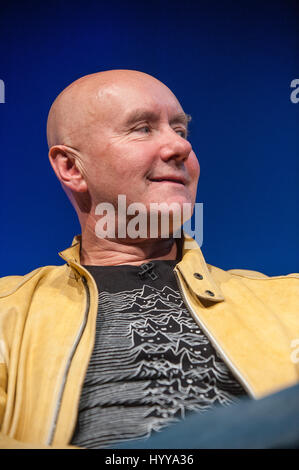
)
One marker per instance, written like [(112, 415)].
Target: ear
[(64, 164)]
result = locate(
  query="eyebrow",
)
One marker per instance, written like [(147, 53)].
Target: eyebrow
[(145, 115)]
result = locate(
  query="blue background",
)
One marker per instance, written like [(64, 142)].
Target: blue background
[(230, 64)]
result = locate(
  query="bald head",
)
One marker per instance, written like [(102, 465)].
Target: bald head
[(110, 133), (84, 100)]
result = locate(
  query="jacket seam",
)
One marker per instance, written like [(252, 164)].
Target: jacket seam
[(269, 278), (24, 281)]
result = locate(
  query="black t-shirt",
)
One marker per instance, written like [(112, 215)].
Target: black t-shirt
[(151, 363)]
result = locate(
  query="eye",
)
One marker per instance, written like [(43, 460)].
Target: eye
[(143, 129), (182, 132)]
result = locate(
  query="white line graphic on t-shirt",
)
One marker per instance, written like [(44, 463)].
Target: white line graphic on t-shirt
[(151, 357)]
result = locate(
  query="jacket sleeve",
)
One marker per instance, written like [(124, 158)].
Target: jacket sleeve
[(7, 442)]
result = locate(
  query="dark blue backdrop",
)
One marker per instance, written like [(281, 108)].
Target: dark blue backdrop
[(229, 63)]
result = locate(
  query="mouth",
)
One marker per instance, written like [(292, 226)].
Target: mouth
[(169, 179)]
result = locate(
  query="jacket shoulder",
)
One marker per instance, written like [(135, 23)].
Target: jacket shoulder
[(10, 284), (248, 273), (224, 275), (258, 275)]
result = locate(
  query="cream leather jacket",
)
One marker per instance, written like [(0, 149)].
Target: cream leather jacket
[(47, 330)]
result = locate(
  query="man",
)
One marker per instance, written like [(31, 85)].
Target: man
[(132, 333)]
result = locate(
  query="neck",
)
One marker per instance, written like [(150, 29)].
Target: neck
[(111, 252)]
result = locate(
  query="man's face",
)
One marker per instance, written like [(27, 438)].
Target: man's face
[(137, 146)]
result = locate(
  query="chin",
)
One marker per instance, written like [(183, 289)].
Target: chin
[(179, 200)]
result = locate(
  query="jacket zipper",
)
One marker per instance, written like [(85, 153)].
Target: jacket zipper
[(76, 342), (213, 341)]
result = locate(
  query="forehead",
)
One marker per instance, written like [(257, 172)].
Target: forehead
[(119, 101)]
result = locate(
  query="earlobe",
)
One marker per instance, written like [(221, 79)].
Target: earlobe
[(66, 168)]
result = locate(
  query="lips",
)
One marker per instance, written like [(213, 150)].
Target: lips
[(169, 179)]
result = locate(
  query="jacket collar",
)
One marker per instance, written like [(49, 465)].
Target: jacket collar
[(192, 268), (196, 273), (72, 254)]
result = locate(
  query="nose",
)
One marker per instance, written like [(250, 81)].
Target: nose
[(174, 146)]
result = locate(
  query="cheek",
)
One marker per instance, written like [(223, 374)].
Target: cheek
[(135, 161), (193, 167)]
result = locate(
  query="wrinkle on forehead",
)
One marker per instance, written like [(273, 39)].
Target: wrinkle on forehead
[(84, 100)]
